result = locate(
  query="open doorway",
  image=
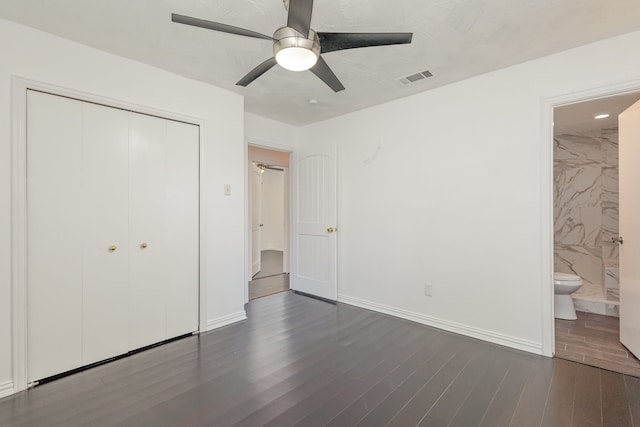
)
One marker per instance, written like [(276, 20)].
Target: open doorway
[(269, 236), (589, 168)]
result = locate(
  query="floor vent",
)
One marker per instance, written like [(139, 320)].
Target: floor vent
[(412, 78)]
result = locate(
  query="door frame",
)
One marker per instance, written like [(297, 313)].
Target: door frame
[(251, 207), (290, 184), (546, 192), (18, 169)]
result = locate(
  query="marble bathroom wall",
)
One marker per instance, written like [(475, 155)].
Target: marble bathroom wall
[(586, 203)]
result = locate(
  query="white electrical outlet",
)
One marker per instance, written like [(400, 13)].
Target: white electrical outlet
[(428, 290), (227, 189)]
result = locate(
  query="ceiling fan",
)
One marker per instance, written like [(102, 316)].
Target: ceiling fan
[(297, 47)]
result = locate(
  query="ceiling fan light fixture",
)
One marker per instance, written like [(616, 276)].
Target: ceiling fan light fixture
[(296, 58), (295, 52)]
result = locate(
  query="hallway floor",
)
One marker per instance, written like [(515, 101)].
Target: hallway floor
[(270, 279), (594, 340), (271, 264)]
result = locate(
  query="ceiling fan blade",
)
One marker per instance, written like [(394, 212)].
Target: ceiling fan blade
[(216, 26), (300, 16), (322, 70), (330, 42), (257, 72)]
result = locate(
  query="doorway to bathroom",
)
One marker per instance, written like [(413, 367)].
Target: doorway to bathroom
[(268, 206), (589, 188)]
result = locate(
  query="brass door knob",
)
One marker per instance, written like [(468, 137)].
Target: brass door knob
[(112, 248), (330, 230), (143, 246)]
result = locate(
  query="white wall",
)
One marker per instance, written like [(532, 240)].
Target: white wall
[(39, 56), (273, 210), (444, 188), (262, 131)]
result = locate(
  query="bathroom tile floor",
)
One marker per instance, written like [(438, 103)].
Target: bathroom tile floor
[(594, 340)]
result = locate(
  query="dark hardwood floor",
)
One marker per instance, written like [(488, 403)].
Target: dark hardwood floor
[(594, 339), (302, 362)]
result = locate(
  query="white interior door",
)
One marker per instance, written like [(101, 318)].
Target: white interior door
[(629, 164), (315, 223), (54, 239), (105, 224), (256, 219)]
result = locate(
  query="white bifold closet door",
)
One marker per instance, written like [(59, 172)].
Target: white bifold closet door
[(163, 224), (54, 236), (104, 204), (112, 220)]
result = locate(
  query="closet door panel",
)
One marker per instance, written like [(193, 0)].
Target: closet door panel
[(105, 227), (54, 240), (147, 200), (182, 228)]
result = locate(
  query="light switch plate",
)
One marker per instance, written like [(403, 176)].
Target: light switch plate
[(227, 189)]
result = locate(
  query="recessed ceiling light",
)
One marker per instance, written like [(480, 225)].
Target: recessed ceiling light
[(313, 101), (601, 116)]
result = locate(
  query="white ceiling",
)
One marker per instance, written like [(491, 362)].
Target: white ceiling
[(454, 39), (580, 117)]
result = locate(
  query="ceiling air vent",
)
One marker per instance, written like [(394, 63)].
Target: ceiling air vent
[(414, 77)]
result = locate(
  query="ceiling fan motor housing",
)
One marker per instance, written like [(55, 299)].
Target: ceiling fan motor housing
[(288, 39)]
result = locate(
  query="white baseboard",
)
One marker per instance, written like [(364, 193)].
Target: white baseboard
[(447, 325), (6, 389), (226, 320)]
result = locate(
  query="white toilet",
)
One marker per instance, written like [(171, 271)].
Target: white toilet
[(563, 286)]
